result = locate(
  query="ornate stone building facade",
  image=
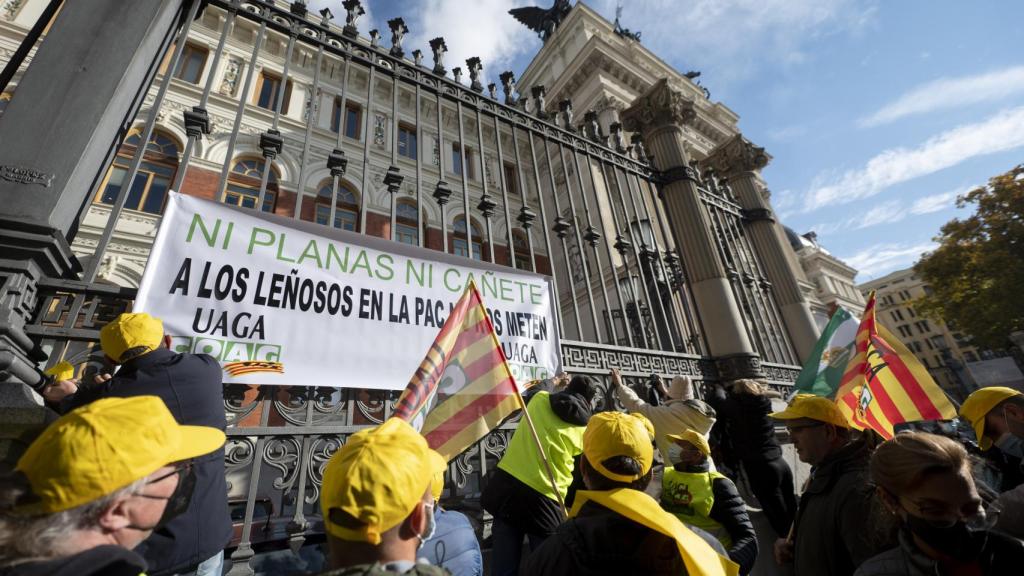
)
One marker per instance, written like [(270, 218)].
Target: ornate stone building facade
[(831, 278)]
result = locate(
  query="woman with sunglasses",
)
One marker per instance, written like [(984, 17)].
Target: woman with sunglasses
[(924, 482)]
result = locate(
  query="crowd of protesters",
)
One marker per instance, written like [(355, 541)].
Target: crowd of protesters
[(130, 480)]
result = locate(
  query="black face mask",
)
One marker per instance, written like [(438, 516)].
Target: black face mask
[(954, 540), (177, 502)]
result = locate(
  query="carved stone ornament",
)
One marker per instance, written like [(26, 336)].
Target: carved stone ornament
[(737, 155), (26, 176), (662, 105), (230, 80), (736, 366)]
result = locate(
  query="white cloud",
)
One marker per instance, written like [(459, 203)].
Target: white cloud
[(730, 39), (885, 257), (946, 93), (937, 202), (1004, 131)]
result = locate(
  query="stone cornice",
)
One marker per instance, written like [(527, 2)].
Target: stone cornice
[(661, 106), (735, 156)]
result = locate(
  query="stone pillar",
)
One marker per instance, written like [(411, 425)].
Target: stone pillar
[(659, 116), (738, 161), (61, 129)]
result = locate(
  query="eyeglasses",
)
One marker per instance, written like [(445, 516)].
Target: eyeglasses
[(180, 471), (792, 429)]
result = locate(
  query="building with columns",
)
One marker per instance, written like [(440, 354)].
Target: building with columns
[(831, 278)]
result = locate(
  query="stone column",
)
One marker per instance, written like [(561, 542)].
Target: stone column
[(659, 116), (76, 99), (739, 162)]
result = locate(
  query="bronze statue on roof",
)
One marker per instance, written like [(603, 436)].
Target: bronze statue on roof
[(544, 21)]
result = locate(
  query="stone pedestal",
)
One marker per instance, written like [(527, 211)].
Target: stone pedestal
[(659, 116), (738, 161), (75, 102)]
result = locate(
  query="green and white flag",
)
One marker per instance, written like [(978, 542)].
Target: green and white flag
[(824, 369)]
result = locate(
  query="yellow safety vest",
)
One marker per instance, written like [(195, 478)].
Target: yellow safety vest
[(561, 440), (690, 496), (698, 556)]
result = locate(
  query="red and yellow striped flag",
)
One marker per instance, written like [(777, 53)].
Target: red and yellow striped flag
[(463, 388), (885, 385)]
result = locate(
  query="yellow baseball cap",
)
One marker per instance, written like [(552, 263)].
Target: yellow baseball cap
[(61, 371), (131, 330), (979, 404), (814, 407), (611, 434), (104, 446), (437, 485), (694, 438), (377, 478)]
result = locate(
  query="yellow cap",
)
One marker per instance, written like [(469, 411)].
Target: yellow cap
[(131, 330), (377, 478), (979, 404), (104, 446), (611, 434), (61, 371), (694, 438), (437, 485), (814, 407)]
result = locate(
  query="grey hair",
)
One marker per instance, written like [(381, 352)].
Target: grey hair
[(43, 536)]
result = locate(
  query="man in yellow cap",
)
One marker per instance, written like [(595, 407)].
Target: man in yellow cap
[(95, 484), (377, 502), (997, 415), (190, 386), (614, 526), (829, 534), (707, 499)]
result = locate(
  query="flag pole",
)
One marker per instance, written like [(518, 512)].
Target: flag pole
[(543, 456), (526, 414)]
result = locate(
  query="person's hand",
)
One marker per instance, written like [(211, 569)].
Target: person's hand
[(561, 380), (101, 378), (616, 378), (57, 391), (783, 551)]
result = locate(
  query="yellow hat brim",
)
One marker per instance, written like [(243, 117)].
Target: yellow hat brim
[(197, 441)]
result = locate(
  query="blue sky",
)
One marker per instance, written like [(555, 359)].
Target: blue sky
[(877, 113)]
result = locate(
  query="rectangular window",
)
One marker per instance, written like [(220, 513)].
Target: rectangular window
[(511, 178), (190, 66), (456, 159), (336, 115), (407, 234), (268, 91), (353, 121), (911, 312), (407, 141)]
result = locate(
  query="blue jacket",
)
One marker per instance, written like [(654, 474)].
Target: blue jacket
[(190, 385), (454, 545)]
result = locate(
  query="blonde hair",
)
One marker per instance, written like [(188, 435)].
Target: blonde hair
[(901, 463), (753, 387)]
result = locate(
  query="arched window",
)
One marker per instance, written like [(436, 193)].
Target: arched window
[(244, 184), (148, 191), (346, 215), (522, 245), (407, 226), (460, 246)]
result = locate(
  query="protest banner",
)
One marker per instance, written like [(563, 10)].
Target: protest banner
[(288, 302)]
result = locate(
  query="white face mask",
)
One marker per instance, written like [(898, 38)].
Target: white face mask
[(431, 526), (675, 453)]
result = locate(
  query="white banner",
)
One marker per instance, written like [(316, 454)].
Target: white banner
[(288, 302)]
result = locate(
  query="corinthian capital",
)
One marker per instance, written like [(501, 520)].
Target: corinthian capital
[(736, 155), (661, 106)]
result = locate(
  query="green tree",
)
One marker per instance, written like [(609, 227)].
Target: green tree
[(977, 272)]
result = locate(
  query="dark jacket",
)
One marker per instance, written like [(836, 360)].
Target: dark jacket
[(101, 561), (508, 498), (599, 541), (730, 510), (831, 526), (1011, 468), (419, 569), (752, 431), (997, 555), (190, 385)]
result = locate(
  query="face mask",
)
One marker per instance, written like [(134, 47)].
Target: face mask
[(177, 502), (675, 454), (1011, 445), (953, 540), (431, 526)]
